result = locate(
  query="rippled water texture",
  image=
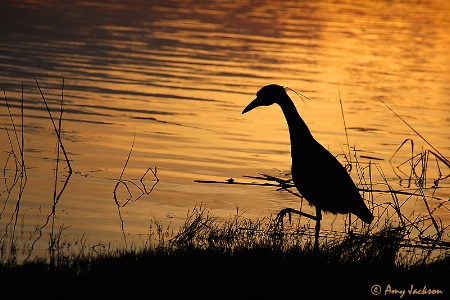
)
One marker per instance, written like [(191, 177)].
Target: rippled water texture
[(174, 76)]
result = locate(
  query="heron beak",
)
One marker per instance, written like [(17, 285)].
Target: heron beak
[(252, 105)]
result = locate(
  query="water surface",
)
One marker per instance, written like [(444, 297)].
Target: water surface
[(174, 76)]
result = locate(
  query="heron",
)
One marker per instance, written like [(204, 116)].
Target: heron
[(318, 176)]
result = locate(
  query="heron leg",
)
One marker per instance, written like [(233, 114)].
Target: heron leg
[(290, 211), (317, 218), (316, 237)]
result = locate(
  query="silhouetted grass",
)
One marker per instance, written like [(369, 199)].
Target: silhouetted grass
[(237, 257)]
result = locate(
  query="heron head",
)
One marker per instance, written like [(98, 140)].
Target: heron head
[(266, 96)]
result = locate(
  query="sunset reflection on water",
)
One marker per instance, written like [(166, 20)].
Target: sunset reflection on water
[(175, 76)]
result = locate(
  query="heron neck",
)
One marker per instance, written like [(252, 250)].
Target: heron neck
[(298, 130)]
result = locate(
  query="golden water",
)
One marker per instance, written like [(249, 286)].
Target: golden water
[(174, 77)]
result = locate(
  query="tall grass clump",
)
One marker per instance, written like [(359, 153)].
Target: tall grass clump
[(15, 179)]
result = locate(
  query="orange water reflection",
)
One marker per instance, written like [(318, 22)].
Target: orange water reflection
[(177, 76)]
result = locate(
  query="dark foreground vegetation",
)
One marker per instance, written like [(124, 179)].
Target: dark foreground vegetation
[(211, 274), (238, 258)]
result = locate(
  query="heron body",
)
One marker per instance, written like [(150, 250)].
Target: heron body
[(317, 174)]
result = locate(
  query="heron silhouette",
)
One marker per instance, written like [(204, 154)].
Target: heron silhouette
[(316, 173)]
